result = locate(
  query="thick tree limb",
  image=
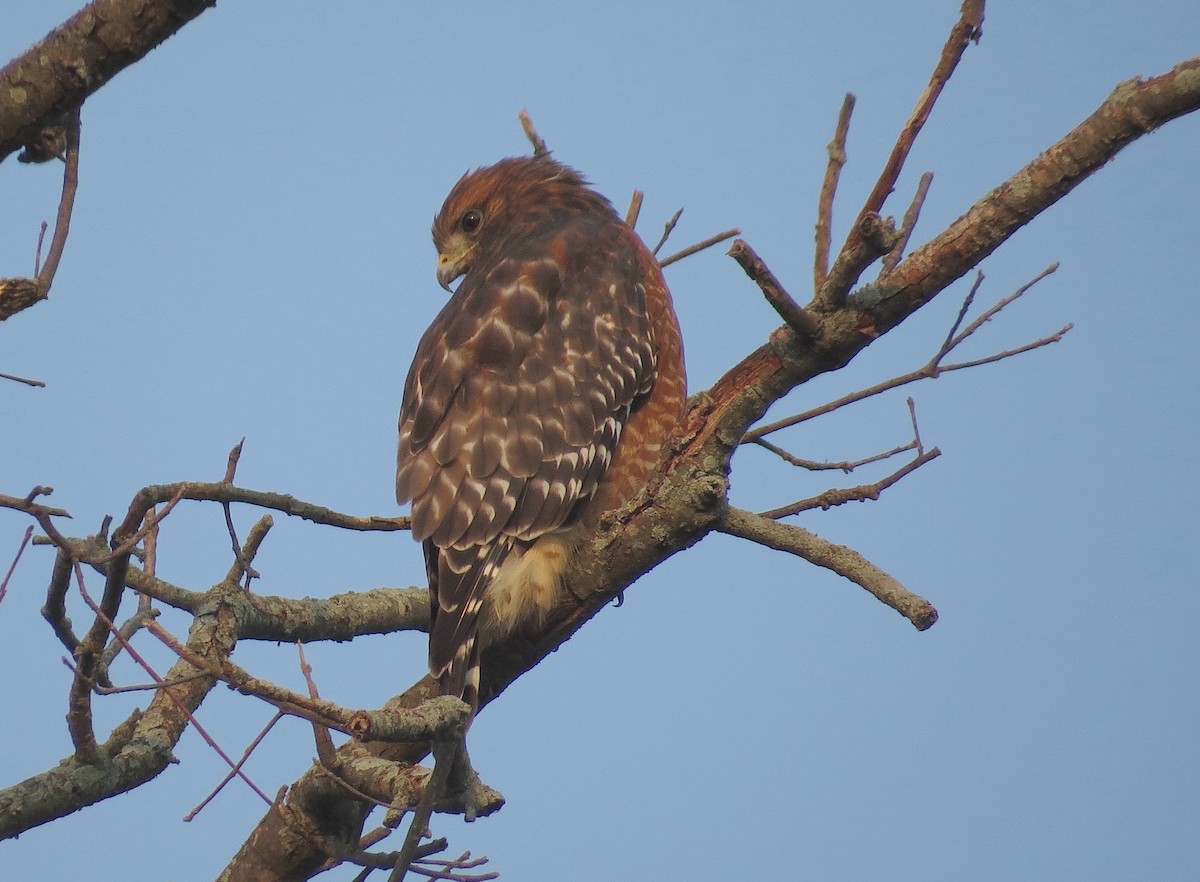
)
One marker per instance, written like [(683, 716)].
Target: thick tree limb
[(74, 60), (287, 619)]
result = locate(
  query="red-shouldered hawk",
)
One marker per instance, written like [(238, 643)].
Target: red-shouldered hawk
[(539, 398)]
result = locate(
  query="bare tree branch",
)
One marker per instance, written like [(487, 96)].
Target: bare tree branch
[(966, 30), (842, 466), (13, 377), (539, 146), (934, 367), (319, 818), (1134, 108), (793, 314), (668, 227), (16, 294), (909, 224), (237, 767), (833, 172), (844, 561), (872, 237), (54, 76), (699, 246), (12, 568), (62, 222), (221, 492), (830, 498), (635, 209)]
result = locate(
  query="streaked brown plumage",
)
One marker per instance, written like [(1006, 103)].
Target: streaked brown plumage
[(538, 399)]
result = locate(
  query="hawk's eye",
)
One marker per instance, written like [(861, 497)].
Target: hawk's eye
[(471, 220)]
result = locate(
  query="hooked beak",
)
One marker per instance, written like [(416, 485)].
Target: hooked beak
[(447, 271), (454, 261)]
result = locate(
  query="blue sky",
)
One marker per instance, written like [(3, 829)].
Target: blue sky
[(250, 256)]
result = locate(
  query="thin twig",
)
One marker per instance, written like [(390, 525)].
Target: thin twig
[(16, 559), (37, 254), (62, 223), (845, 467), (231, 465), (860, 251), (159, 632), (539, 146), (445, 755), (437, 718), (833, 171), (699, 246), (327, 770), (249, 550), (26, 503), (635, 209), (1056, 337), (148, 586), (292, 703), (219, 491), (462, 862), (932, 369), (25, 380), (912, 412), (428, 867), (325, 748), (992, 311), (831, 498), (128, 629), (237, 768), (667, 228), (892, 260), (949, 343), (145, 687)]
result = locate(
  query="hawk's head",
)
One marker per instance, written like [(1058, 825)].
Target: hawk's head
[(491, 206)]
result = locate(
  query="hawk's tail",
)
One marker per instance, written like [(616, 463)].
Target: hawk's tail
[(457, 585)]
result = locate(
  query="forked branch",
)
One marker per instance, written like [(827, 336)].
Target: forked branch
[(966, 30), (934, 367)]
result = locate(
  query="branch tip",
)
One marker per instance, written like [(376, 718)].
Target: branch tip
[(539, 145), (806, 325)]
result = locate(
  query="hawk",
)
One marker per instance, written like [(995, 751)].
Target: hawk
[(539, 398)]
